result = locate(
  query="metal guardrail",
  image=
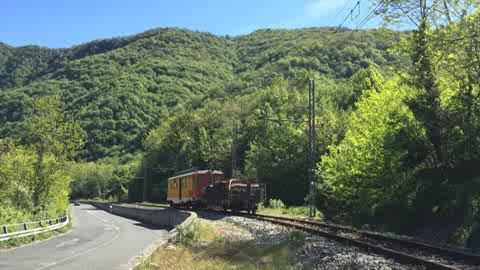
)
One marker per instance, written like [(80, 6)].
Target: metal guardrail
[(22, 229)]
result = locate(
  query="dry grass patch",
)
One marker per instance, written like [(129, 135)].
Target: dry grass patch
[(207, 248), (292, 212)]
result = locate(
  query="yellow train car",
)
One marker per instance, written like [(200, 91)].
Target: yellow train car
[(187, 188)]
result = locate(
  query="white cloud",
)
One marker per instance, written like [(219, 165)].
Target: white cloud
[(308, 13), (315, 9)]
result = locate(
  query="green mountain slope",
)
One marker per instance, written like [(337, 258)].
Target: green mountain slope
[(121, 87)]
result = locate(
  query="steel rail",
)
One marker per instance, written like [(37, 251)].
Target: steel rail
[(314, 227), (400, 256), (445, 250)]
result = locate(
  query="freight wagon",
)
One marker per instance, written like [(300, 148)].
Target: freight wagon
[(208, 189), (187, 188)]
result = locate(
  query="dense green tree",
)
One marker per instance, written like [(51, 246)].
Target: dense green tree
[(55, 139), (374, 162), (33, 170), (120, 88), (16, 181)]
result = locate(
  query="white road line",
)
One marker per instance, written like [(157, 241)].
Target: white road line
[(81, 253), (88, 250), (47, 264), (36, 242), (69, 242), (101, 219)]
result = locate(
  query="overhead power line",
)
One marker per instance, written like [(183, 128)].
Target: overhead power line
[(341, 10), (349, 15), (363, 22)]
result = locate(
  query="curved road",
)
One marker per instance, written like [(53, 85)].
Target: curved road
[(98, 240)]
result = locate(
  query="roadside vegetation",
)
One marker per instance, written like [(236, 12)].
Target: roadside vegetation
[(34, 182), (17, 242), (202, 246)]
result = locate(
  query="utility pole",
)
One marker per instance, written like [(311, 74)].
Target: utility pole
[(311, 146), (145, 171), (234, 149)]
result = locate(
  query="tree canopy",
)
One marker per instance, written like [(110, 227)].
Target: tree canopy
[(120, 88)]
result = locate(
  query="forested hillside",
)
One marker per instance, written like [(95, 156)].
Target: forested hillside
[(397, 117), (120, 88)]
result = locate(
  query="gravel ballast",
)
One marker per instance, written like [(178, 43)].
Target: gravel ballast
[(316, 252)]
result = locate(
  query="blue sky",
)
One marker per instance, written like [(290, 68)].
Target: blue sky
[(63, 23)]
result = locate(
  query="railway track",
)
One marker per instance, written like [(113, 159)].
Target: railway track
[(402, 250), (405, 251)]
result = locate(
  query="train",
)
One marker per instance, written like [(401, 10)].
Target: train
[(208, 189)]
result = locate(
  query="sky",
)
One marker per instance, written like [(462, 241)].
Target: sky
[(64, 23)]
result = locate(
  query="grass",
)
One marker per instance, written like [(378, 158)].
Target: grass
[(207, 249), (21, 241), (292, 211)]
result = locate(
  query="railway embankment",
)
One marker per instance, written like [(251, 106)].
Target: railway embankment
[(217, 241)]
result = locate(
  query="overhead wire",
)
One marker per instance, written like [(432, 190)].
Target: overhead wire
[(363, 22), (341, 24), (347, 2)]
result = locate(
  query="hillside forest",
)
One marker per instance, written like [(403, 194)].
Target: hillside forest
[(398, 118)]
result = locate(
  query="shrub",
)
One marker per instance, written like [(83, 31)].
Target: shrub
[(276, 203), (187, 235), (9, 215), (296, 238), (300, 211)]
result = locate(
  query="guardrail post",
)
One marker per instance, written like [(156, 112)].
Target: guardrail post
[(5, 231)]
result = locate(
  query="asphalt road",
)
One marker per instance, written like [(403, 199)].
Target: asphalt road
[(98, 240)]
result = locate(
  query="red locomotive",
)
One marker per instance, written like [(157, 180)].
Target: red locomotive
[(209, 189)]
